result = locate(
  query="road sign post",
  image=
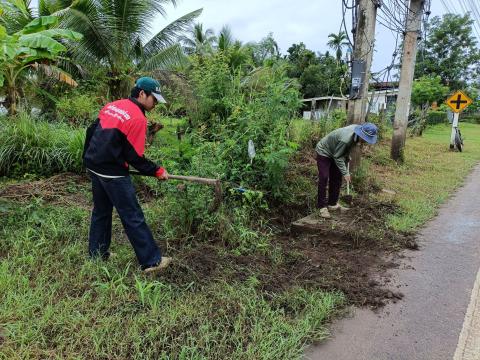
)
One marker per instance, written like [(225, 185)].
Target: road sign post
[(457, 102), (454, 129)]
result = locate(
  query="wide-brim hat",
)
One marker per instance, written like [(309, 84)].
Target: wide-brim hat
[(367, 132)]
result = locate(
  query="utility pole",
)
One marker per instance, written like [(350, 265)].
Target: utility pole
[(361, 63), (412, 35)]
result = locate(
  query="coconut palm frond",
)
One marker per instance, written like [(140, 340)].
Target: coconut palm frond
[(15, 14), (97, 41), (225, 38), (164, 59), (198, 41), (169, 34)]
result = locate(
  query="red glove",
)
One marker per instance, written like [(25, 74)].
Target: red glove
[(161, 174)]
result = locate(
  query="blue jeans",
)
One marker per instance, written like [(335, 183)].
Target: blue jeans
[(120, 193)]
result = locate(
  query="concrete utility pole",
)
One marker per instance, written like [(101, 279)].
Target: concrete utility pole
[(361, 63), (412, 34)]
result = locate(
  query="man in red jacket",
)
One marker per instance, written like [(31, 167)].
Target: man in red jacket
[(115, 141)]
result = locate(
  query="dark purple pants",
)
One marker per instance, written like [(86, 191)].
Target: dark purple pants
[(328, 173)]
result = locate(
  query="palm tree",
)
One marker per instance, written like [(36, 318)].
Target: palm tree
[(337, 43), (267, 48), (117, 36), (15, 15), (238, 54), (225, 38), (197, 41)]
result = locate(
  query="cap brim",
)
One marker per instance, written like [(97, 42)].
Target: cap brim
[(159, 98)]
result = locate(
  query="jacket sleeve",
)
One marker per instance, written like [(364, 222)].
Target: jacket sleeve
[(134, 149), (340, 157), (88, 136)]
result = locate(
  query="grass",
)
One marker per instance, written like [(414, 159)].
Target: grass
[(57, 304), (429, 175), (38, 147)]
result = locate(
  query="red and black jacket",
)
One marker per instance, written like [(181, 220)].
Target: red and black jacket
[(117, 140)]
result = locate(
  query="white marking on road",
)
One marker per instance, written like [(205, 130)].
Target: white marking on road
[(468, 347)]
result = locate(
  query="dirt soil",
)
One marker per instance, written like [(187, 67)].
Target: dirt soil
[(322, 263), (349, 253), (353, 261)]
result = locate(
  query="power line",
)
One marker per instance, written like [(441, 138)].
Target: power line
[(346, 7), (466, 6), (474, 11)]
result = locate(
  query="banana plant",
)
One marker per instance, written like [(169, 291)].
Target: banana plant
[(35, 47)]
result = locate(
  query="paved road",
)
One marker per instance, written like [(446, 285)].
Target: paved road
[(439, 317)]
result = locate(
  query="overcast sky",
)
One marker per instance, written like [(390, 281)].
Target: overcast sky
[(309, 21)]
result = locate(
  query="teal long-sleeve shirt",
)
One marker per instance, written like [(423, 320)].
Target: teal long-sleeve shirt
[(337, 145)]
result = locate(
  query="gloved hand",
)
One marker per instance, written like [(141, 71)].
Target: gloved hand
[(161, 174)]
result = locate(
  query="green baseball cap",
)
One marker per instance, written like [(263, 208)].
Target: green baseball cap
[(151, 85)]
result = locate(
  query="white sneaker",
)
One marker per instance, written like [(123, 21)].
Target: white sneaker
[(338, 207), (324, 213), (160, 266)]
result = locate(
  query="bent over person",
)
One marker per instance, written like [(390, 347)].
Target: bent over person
[(115, 141), (333, 153)]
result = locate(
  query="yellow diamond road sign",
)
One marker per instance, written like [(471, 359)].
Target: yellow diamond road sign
[(458, 101)]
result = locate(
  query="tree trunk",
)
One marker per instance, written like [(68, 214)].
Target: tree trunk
[(11, 100), (119, 85), (406, 79)]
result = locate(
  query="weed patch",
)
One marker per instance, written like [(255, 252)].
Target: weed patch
[(56, 302)]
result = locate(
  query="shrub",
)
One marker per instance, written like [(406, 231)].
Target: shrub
[(37, 147), (436, 117), (417, 122), (234, 109), (311, 132), (382, 122), (471, 118), (78, 109), (215, 90)]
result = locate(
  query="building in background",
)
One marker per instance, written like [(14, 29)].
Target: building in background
[(319, 107), (383, 96)]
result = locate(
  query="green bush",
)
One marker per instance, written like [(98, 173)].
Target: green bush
[(236, 108), (382, 122), (309, 133), (230, 109), (77, 109), (37, 147), (436, 117), (471, 118)]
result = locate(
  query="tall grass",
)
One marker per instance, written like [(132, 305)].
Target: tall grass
[(34, 146), (56, 304)]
